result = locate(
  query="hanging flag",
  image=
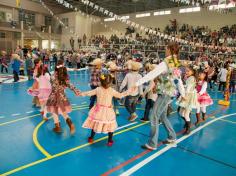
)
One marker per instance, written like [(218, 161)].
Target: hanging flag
[(18, 3)]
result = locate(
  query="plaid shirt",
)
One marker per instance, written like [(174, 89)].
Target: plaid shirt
[(94, 78)]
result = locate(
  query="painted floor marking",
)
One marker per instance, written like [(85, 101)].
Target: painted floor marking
[(168, 147)]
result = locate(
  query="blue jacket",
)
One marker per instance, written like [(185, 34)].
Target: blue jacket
[(16, 65)]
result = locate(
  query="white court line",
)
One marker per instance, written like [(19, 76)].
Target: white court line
[(168, 147), (2, 117), (73, 104), (15, 114), (29, 112), (126, 125)]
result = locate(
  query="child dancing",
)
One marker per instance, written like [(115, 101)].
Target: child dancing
[(129, 81), (151, 94), (57, 102), (102, 117), (203, 97), (189, 101), (43, 79)]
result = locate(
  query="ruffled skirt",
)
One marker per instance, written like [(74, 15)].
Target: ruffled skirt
[(191, 101), (101, 119), (205, 100)]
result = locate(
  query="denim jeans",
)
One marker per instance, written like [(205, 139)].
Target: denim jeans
[(115, 103), (148, 107), (16, 76), (92, 98), (222, 84), (232, 86), (159, 112), (130, 103)]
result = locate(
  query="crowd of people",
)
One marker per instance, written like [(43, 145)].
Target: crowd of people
[(205, 39), (115, 77)]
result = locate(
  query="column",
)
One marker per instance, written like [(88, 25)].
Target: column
[(50, 37), (22, 34)]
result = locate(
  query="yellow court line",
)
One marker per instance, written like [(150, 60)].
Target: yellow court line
[(28, 117), (68, 151), (36, 142), (49, 157), (35, 136), (71, 150)]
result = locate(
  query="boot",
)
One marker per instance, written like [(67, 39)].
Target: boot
[(204, 116), (185, 123), (57, 128), (71, 126), (199, 120), (188, 128)]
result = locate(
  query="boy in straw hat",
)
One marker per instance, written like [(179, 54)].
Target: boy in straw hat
[(95, 78), (3, 61), (129, 81)]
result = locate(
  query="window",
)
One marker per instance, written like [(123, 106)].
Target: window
[(48, 20), (143, 15), (27, 17), (188, 10), (2, 35), (65, 21), (166, 12)]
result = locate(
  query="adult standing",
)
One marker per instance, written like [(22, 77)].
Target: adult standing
[(222, 77), (169, 75)]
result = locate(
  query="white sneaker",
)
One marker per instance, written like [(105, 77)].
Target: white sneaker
[(146, 146)]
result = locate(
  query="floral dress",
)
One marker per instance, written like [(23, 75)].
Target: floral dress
[(57, 102)]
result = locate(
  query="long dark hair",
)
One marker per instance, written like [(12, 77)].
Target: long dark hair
[(61, 73), (203, 72), (195, 74), (174, 48)]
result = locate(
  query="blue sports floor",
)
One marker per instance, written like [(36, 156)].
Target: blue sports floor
[(29, 147)]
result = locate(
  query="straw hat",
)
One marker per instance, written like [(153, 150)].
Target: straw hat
[(4, 52), (97, 61), (136, 66), (28, 55), (128, 64), (153, 66), (148, 66), (109, 63), (15, 56), (113, 67)]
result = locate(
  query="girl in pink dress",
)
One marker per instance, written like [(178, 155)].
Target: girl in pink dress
[(43, 79), (203, 97), (102, 117)]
